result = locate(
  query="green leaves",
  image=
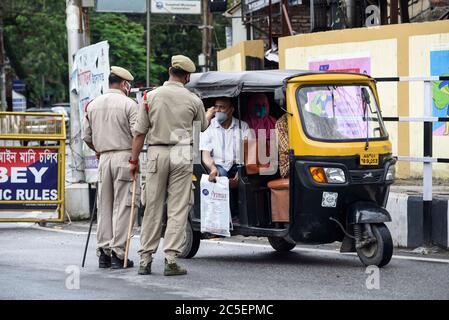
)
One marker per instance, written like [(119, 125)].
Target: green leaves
[(37, 47), (36, 44), (126, 40)]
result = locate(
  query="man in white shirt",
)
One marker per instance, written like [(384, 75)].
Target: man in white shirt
[(220, 144)]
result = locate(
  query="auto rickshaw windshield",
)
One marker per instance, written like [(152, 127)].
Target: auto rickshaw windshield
[(340, 112)]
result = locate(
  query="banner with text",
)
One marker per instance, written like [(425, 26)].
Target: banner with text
[(28, 174), (91, 72)]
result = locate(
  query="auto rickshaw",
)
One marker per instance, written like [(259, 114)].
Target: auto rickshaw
[(340, 161)]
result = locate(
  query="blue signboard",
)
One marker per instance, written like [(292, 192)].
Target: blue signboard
[(19, 102), (28, 174)]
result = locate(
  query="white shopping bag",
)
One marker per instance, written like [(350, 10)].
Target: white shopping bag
[(215, 210)]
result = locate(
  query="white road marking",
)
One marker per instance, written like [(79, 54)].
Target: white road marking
[(62, 230), (325, 251), (12, 225), (240, 244)]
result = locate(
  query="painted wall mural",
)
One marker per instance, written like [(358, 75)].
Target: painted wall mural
[(439, 66)]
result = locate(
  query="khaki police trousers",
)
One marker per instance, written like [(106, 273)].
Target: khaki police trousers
[(168, 178), (114, 201)]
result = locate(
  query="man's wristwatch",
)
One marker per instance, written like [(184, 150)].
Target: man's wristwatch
[(135, 162)]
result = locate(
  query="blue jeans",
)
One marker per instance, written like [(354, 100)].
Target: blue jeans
[(222, 172)]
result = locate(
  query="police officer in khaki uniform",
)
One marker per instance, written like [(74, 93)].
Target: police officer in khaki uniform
[(167, 121), (108, 131)]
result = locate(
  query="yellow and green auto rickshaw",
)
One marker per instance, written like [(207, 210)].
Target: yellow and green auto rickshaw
[(340, 163)]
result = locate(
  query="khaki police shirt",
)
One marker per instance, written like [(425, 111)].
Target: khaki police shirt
[(172, 109), (109, 121)]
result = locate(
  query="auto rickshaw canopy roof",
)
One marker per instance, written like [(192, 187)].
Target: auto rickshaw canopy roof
[(230, 84)]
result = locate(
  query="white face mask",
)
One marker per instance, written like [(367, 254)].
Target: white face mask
[(221, 117), (127, 88)]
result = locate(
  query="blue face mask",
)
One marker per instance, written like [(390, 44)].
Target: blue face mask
[(221, 117), (260, 110)]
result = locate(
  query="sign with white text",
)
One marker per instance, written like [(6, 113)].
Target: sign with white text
[(176, 6), (29, 182)]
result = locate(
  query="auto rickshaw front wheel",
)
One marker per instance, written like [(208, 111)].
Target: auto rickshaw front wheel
[(379, 252), (280, 244), (191, 243)]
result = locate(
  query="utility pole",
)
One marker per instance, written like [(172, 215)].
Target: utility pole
[(209, 38), (148, 42), (86, 27), (206, 47), (3, 106), (270, 27), (75, 42)]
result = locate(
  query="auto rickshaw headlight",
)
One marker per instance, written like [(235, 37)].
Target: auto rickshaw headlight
[(328, 175), (335, 175), (391, 173)]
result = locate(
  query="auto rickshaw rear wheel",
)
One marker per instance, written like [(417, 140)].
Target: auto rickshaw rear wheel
[(192, 242), (378, 253), (280, 244)]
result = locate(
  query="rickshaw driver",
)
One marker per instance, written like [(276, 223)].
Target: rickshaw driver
[(283, 148)]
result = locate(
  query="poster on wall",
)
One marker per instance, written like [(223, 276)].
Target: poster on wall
[(92, 72), (351, 64), (439, 66)]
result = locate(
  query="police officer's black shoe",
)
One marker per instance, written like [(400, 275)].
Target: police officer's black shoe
[(104, 261), (117, 263)]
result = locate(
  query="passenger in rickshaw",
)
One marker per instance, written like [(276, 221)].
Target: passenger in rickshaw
[(258, 116), (220, 142), (219, 145)]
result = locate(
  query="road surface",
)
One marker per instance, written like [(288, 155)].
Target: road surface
[(40, 263)]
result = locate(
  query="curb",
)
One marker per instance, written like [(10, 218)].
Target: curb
[(408, 228)]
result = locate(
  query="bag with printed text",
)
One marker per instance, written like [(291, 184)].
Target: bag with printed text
[(215, 210)]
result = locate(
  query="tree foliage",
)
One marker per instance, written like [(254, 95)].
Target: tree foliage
[(127, 44), (36, 44)]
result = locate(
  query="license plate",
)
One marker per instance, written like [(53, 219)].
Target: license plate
[(369, 159)]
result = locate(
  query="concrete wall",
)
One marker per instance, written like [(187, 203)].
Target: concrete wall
[(238, 28), (77, 201), (407, 226), (234, 58), (394, 50)]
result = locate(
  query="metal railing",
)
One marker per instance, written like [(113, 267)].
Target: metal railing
[(428, 119), (22, 200)]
